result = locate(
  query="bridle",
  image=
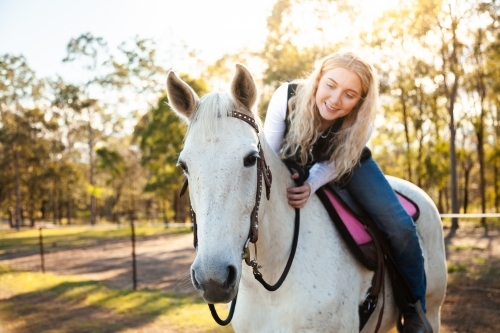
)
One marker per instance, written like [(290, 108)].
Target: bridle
[(264, 172)]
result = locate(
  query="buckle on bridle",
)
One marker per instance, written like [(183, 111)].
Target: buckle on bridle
[(246, 253), (246, 256)]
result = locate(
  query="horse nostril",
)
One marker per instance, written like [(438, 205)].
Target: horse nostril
[(231, 277), (195, 282)]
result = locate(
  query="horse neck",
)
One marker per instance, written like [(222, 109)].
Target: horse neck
[(277, 216)]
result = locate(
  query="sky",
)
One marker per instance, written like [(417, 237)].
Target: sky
[(41, 29)]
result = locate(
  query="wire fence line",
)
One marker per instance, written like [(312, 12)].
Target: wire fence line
[(158, 261), (471, 215)]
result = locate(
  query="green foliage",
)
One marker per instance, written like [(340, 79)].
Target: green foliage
[(433, 72), (161, 134), (111, 161), (456, 268), (26, 148)]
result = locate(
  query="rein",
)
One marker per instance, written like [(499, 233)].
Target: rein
[(264, 172)]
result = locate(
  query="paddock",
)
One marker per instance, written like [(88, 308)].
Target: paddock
[(472, 303)]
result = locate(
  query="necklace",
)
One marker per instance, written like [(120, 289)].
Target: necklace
[(327, 133)]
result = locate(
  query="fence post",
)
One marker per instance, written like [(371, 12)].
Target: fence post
[(42, 254), (134, 267)]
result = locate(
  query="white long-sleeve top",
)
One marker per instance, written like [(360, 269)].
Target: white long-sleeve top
[(274, 130)]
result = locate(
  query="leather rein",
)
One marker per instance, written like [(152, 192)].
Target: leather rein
[(264, 172)]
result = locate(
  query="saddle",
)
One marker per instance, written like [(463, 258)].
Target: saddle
[(369, 246)]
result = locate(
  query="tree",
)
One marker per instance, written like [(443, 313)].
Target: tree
[(23, 147), (160, 133), (442, 80), (112, 79)]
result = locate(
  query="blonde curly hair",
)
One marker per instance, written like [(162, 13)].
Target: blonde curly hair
[(305, 118)]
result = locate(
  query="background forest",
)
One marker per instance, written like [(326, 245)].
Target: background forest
[(105, 148)]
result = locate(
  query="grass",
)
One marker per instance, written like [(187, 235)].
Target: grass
[(464, 248), (34, 302), (27, 240), (452, 268)]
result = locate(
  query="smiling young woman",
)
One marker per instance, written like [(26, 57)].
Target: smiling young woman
[(324, 127)]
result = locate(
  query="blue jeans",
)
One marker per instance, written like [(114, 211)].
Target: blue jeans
[(374, 194)]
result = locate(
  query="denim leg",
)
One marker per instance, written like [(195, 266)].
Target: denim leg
[(372, 191)]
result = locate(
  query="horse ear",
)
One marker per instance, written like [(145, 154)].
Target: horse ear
[(181, 97), (243, 88)]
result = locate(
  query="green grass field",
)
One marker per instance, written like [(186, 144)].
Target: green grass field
[(33, 302)]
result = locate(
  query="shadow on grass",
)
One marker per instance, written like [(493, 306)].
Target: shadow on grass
[(490, 233), (87, 307)]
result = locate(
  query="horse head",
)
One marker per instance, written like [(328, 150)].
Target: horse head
[(219, 160)]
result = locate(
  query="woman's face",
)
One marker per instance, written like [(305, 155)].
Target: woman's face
[(339, 90)]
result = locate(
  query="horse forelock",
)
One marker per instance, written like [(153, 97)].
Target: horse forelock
[(212, 112)]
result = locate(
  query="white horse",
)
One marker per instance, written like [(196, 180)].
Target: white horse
[(325, 284)]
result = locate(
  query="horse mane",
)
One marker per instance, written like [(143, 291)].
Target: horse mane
[(212, 112)]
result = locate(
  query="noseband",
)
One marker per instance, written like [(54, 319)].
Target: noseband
[(264, 172)]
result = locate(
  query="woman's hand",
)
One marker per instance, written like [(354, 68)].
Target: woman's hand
[(297, 196)]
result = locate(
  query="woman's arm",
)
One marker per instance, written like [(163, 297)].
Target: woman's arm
[(274, 131), (320, 174), (274, 125), (324, 172)]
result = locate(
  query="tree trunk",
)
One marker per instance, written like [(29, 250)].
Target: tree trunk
[(449, 56), (497, 194), (68, 210), (467, 170), (18, 189), (440, 201), (407, 135), (11, 219), (482, 166), (91, 172), (453, 164), (54, 214), (163, 213)]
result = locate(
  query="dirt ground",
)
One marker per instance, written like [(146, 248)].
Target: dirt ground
[(472, 303)]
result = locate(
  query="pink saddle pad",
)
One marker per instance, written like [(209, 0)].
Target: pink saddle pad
[(352, 223)]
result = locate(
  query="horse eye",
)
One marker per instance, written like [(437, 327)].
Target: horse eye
[(250, 160), (183, 166)]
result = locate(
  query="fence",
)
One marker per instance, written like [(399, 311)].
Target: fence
[(157, 259), (474, 215)]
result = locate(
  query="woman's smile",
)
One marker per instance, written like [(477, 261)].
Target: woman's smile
[(339, 90)]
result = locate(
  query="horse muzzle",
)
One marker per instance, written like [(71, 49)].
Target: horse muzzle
[(217, 284)]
